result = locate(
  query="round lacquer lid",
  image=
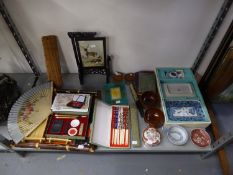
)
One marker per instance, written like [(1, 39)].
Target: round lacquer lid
[(72, 131), (200, 137), (151, 136)]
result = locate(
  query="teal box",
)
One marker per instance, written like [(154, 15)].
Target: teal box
[(181, 99)]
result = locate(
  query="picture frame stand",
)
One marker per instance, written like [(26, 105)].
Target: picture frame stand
[(90, 54)]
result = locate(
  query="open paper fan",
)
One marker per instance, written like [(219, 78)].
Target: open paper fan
[(29, 111)]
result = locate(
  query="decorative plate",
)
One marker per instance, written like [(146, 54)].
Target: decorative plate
[(72, 131), (151, 136), (200, 137), (187, 110), (74, 123), (177, 135)]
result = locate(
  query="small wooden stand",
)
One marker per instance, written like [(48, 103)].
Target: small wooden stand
[(82, 68)]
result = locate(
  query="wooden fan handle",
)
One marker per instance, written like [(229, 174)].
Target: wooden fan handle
[(52, 60)]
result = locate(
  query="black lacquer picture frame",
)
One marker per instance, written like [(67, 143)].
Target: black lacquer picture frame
[(90, 54)]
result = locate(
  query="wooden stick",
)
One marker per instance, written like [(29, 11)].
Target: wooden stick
[(55, 147), (58, 139), (221, 153), (33, 139), (64, 117), (47, 139)]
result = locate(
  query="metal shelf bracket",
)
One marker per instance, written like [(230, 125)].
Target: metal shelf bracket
[(212, 33), (18, 38), (218, 144)]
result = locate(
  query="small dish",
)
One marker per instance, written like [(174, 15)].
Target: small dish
[(130, 77), (72, 131), (154, 117), (74, 123), (149, 99), (151, 137), (200, 137), (177, 135)]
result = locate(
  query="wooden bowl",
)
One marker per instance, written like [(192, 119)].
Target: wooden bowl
[(149, 99), (154, 117), (118, 77), (130, 77)]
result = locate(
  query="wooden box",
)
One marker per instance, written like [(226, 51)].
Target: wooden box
[(111, 126)]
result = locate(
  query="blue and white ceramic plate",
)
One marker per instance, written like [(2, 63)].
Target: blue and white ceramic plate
[(185, 110), (177, 135)]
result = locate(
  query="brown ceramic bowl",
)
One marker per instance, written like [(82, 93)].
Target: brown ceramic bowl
[(149, 99), (154, 117)]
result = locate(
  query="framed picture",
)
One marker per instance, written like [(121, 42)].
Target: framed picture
[(92, 52)]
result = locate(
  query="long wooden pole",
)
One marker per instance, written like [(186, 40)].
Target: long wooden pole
[(221, 153), (80, 148)]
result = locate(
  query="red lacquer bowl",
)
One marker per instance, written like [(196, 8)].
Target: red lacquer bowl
[(149, 99), (154, 117)]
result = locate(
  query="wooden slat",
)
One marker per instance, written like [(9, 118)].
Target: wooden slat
[(52, 60), (221, 153), (223, 76)]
